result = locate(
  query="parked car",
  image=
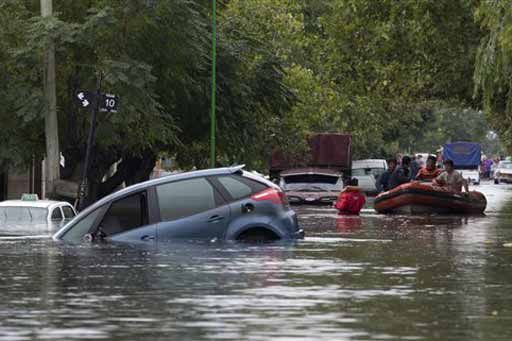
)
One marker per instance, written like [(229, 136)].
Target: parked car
[(311, 185), (31, 216), (214, 204), (367, 172), (503, 172)]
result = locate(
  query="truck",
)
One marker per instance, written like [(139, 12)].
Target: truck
[(317, 176), (466, 157)]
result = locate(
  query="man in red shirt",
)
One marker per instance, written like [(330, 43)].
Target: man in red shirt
[(351, 200), (430, 171)]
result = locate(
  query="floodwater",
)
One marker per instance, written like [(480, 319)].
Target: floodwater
[(371, 277)]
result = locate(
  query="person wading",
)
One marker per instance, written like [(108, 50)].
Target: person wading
[(351, 200), (383, 182)]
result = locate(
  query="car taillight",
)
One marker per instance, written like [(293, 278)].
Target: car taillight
[(271, 194)]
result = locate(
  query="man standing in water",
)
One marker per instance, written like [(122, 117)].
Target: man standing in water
[(383, 182), (350, 200), (451, 179), (402, 173)]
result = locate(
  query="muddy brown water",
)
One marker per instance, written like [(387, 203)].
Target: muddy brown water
[(371, 277)]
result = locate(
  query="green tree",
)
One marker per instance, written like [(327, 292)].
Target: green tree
[(493, 69)]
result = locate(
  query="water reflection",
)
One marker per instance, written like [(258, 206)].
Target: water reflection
[(360, 278)]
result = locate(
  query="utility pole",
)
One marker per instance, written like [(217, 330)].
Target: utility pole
[(51, 123), (83, 191), (213, 123)]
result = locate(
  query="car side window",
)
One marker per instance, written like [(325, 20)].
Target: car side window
[(125, 214), (185, 198), (239, 187), (68, 212), (56, 214), (77, 231)]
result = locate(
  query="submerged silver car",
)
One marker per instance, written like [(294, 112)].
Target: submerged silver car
[(214, 204)]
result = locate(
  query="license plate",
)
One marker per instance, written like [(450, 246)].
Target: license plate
[(310, 199)]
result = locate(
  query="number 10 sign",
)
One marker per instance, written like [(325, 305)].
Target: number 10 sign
[(109, 103)]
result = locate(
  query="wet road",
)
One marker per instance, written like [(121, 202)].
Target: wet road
[(360, 278)]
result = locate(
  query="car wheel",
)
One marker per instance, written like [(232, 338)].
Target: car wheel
[(257, 235), (496, 181)]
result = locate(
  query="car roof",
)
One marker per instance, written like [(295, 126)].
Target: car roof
[(37, 203), (162, 180), (311, 170)]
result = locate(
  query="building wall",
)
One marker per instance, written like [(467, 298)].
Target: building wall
[(18, 181), (17, 184)]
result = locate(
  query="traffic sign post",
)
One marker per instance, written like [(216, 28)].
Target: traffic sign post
[(95, 101)]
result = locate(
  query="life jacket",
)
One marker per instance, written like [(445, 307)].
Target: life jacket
[(350, 200), (426, 175)]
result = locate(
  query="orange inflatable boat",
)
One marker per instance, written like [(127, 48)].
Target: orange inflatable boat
[(420, 198)]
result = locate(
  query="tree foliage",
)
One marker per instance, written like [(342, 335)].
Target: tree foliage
[(397, 75), (493, 71)]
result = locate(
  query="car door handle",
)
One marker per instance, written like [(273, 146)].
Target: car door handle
[(215, 219), (146, 238)]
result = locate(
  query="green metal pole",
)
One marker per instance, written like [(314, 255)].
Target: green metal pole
[(214, 86)]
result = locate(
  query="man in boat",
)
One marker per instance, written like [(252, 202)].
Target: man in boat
[(451, 179), (414, 166), (383, 182), (402, 174), (351, 200), (430, 171)]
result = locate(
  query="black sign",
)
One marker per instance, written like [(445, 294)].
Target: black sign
[(85, 99), (109, 103)]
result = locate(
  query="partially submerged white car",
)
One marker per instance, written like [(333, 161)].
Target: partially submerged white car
[(503, 172), (31, 216), (367, 172)]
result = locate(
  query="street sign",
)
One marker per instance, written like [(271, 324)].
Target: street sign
[(85, 99), (109, 103)]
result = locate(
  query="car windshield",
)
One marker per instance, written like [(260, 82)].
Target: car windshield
[(22, 214), (506, 165), (367, 171), (311, 182)]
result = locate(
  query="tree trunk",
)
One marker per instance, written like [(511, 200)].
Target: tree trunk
[(51, 121)]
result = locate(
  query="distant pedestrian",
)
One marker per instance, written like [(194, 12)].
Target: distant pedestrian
[(439, 163), (487, 164)]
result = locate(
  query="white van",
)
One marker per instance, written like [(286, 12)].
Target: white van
[(367, 172)]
